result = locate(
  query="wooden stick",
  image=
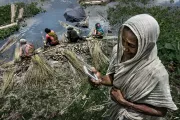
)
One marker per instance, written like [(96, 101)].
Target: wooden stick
[(7, 26), (94, 2), (13, 12), (21, 11)]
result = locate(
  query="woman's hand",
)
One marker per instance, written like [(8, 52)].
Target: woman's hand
[(98, 74), (117, 96)]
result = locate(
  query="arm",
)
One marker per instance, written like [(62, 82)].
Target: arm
[(47, 37), (149, 110), (20, 53), (117, 96)]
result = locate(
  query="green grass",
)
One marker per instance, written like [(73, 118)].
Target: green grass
[(5, 15), (8, 31)]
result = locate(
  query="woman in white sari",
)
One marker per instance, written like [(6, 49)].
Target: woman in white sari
[(140, 82)]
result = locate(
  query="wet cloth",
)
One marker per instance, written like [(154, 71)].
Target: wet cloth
[(52, 38), (142, 79)]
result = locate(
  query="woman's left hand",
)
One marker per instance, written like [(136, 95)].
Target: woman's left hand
[(117, 96)]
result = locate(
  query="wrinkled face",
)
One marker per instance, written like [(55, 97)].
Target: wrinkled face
[(129, 42)]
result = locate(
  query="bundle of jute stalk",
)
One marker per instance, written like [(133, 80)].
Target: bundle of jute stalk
[(17, 53), (7, 84), (39, 74), (75, 61), (98, 58)]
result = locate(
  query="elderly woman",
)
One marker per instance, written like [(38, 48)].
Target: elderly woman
[(140, 83)]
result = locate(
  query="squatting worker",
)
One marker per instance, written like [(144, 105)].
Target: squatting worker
[(140, 83), (26, 49), (72, 35), (51, 37)]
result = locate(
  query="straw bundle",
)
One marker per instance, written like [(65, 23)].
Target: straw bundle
[(98, 57), (7, 81), (75, 61), (17, 53), (40, 73)]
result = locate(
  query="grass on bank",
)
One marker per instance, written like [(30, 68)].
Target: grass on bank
[(7, 85)]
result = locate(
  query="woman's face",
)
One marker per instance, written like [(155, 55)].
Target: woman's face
[(129, 42)]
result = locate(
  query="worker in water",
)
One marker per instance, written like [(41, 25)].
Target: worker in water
[(26, 49), (98, 31), (51, 38)]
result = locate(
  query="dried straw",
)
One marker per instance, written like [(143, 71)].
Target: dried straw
[(40, 73), (8, 78), (99, 60), (75, 61), (17, 53)]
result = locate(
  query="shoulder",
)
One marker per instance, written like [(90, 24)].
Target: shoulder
[(47, 35), (158, 71)]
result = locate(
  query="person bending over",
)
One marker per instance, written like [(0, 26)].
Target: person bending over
[(51, 38)]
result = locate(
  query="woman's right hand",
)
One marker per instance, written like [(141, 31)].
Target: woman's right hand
[(93, 81)]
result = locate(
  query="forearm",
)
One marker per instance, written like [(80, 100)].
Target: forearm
[(154, 111)]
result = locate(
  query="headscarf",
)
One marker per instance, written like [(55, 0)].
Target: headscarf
[(142, 79), (23, 41)]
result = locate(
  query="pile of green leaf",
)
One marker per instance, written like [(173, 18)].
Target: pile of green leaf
[(168, 42), (5, 16)]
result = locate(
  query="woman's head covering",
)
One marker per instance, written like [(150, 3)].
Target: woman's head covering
[(23, 41), (143, 78), (147, 30), (97, 25)]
